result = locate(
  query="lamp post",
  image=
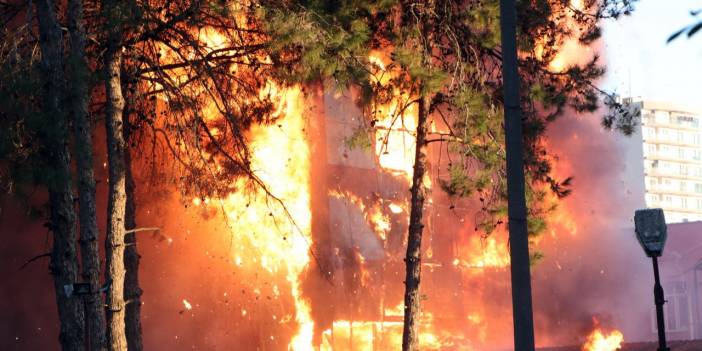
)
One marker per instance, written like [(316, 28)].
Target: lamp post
[(651, 232), (522, 309)]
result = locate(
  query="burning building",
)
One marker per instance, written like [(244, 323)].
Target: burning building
[(363, 223), (326, 271), (317, 263)]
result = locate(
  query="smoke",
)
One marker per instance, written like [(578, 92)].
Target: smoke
[(599, 270), (28, 314)]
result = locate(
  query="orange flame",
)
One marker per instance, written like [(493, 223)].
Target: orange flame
[(395, 125), (266, 235), (262, 238), (602, 341), (484, 253)]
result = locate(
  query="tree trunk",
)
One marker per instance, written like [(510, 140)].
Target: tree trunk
[(116, 207), (132, 291), (413, 264), (64, 265), (410, 339), (90, 253)]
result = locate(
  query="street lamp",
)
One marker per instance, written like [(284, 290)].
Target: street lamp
[(651, 232)]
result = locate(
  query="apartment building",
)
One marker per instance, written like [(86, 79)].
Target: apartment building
[(670, 141)]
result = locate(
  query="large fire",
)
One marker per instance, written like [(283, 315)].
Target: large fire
[(271, 248), (271, 236), (271, 231), (276, 237)]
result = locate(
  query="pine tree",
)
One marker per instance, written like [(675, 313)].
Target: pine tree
[(34, 144), (170, 73), (80, 96), (446, 55), (54, 137), (127, 60), (115, 12), (132, 290)]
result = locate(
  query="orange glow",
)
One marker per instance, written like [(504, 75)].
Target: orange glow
[(265, 235), (387, 335), (602, 341), (276, 240), (569, 52), (576, 4), (396, 125), (395, 208), (562, 219), (261, 228), (486, 252), (372, 212)]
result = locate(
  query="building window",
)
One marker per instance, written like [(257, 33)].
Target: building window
[(683, 202), (652, 183), (662, 116), (683, 186), (677, 309), (689, 120), (668, 199), (652, 149), (683, 169), (696, 154)]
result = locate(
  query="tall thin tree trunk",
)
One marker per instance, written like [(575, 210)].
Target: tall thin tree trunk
[(90, 253), (410, 339), (114, 242), (132, 290), (413, 264), (64, 265)]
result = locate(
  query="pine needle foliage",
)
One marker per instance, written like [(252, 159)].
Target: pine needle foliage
[(333, 41)]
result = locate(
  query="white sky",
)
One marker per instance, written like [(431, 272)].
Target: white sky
[(641, 63)]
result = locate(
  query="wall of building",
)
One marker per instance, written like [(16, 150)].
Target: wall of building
[(671, 145), (681, 276)]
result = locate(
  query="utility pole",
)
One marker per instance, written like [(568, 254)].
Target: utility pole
[(522, 313)]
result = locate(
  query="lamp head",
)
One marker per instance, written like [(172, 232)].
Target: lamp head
[(651, 230)]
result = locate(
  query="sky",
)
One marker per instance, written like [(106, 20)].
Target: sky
[(641, 64)]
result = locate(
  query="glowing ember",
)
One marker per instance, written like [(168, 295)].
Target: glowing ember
[(601, 341), (187, 305)]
